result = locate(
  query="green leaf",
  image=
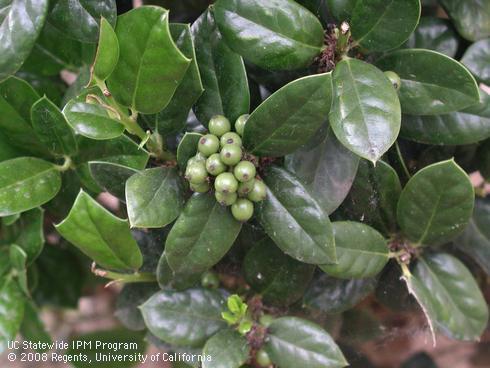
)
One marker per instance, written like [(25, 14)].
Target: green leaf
[(471, 17), (79, 19), (32, 328), (293, 342), (128, 302), (99, 234), (21, 22), (10, 220), (432, 83), (449, 296), (436, 204), (280, 279), (185, 318), (295, 220), (226, 349), (18, 260), (366, 124), (111, 177), (223, 74), (11, 310), (434, 34), (477, 60), (201, 236), (467, 126), (483, 159), (107, 52), (7, 150), (325, 167), (274, 34), (150, 65), (187, 148), (154, 197), (52, 129), (167, 278), (341, 9), (300, 107), (380, 25), (26, 183), (332, 295)]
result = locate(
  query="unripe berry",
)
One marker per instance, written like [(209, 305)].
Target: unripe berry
[(242, 209), (225, 199), (258, 192), (231, 154), (240, 124), (214, 165), (263, 358), (200, 188), (210, 280), (230, 138), (394, 79), (244, 171), (226, 183), (208, 145), (245, 188), (196, 173), (219, 125), (198, 158)]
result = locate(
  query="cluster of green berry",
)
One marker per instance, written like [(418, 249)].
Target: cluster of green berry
[(221, 159)]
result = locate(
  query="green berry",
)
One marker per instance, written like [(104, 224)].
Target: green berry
[(230, 138), (209, 279), (258, 192), (245, 188), (214, 165), (244, 171), (200, 188), (240, 124), (242, 209), (225, 199), (196, 173), (263, 358), (208, 145), (219, 125), (199, 157), (231, 154), (226, 183), (394, 79)]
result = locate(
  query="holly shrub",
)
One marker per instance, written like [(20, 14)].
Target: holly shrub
[(275, 162)]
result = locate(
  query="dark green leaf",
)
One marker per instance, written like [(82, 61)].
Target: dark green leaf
[(471, 17), (111, 177), (222, 72), (293, 342), (477, 60), (18, 260), (380, 25), (167, 278), (154, 197), (289, 117), (341, 9), (187, 148), (483, 159), (107, 52), (449, 296), (419, 360), (11, 310), (436, 204), (274, 34), (26, 183), (325, 167), (128, 302), (295, 220), (366, 123), (226, 349), (7, 150), (201, 236), (32, 328), (185, 318), (21, 22), (150, 65), (99, 234), (432, 83), (280, 279)]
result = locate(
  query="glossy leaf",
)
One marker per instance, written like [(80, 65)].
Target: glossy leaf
[(295, 220), (99, 234), (325, 167), (477, 60), (32, 328), (26, 183), (361, 251), (436, 204), (280, 279), (185, 318), (18, 260), (432, 83), (471, 17), (154, 197), (223, 74), (128, 302), (111, 177), (201, 236), (380, 25), (52, 129), (21, 22), (11, 310), (449, 296), (276, 34), (341, 9), (107, 52), (292, 342), (226, 349), (187, 148), (80, 19), (150, 65), (366, 123), (289, 117)]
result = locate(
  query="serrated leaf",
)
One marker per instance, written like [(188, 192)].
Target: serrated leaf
[(226, 349), (107, 53), (187, 148), (11, 310), (111, 177), (471, 17), (477, 60)]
